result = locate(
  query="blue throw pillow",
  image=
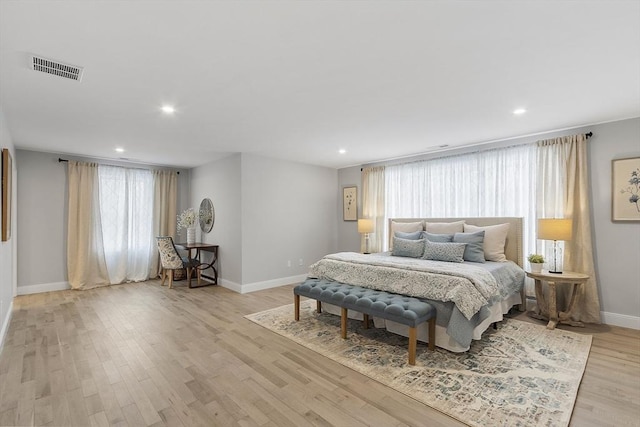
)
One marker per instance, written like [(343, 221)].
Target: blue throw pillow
[(474, 251), (441, 238), (407, 248), (416, 235), (450, 252)]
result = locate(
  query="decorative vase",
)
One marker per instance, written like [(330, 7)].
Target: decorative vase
[(536, 267), (191, 235)]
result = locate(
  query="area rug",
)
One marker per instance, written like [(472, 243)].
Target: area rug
[(520, 374)]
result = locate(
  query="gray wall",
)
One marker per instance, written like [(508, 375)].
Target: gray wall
[(8, 249), (43, 219), (220, 182), (273, 217), (42, 216), (617, 245), (288, 214)]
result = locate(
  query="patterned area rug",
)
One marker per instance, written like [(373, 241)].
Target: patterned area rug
[(518, 375)]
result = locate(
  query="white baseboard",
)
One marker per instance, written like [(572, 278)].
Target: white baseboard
[(259, 286), (235, 287), (267, 284), (623, 320), (5, 326), (43, 287)]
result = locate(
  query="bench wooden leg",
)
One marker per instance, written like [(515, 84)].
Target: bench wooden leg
[(413, 342), (343, 323), (318, 306), (296, 305), (432, 333), (365, 319)]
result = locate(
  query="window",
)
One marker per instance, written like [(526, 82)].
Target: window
[(126, 216), (498, 182)]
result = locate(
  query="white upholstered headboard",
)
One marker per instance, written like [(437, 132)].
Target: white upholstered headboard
[(513, 248)]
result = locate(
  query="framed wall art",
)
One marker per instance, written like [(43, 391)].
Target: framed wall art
[(350, 203), (625, 191), (6, 194)]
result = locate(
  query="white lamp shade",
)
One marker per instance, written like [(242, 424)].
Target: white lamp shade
[(554, 229), (365, 226)]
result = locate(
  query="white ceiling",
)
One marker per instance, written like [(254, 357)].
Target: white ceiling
[(300, 80)]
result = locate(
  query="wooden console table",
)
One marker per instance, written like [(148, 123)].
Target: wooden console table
[(213, 265), (548, 310)]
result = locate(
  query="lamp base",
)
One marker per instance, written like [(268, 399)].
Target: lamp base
[(558, 264)]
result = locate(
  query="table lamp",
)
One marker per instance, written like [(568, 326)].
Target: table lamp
[(555, 229), (365, 226)]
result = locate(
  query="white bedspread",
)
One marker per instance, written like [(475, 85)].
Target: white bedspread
[(469, 287)]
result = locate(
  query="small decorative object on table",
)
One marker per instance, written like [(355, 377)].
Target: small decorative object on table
[(187, 219), (191, 235), (536, 261)]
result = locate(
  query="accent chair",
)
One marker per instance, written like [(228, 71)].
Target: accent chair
[(171, 261)]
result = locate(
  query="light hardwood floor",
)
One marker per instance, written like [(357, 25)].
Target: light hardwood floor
[(141, 354)]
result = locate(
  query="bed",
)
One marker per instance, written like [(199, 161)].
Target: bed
[(468, 296)]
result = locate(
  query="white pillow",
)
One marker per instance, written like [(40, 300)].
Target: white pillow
[(495, 237), (444, 227), (405, 227)]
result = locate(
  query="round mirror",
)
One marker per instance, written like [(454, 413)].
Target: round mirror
[(207, 215)]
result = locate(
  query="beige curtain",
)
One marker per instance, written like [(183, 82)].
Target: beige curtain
[(164, 210), (86, 263), (373, 205), (562, 191)]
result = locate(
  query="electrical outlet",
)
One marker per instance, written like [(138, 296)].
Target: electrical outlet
[(300, 261), (288, 263)]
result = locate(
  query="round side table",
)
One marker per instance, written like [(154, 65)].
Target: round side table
[(548, 310)]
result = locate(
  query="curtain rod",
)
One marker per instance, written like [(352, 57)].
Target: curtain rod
[(61, 160), (588, 135)]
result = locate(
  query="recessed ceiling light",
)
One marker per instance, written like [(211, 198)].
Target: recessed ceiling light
[(519, 111), (168, 109), (120, 150), (342, 151)]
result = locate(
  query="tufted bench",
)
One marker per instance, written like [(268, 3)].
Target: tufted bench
[(398, 308)]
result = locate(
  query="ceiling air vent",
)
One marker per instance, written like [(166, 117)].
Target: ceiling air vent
[(56, 68)]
